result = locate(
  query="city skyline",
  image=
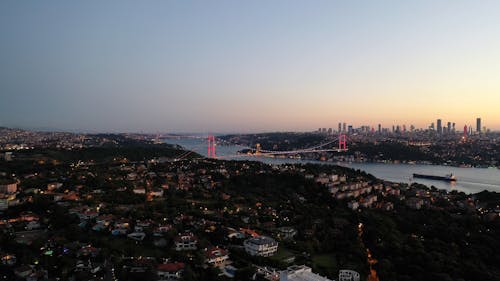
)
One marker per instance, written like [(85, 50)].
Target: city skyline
[(247, 67)]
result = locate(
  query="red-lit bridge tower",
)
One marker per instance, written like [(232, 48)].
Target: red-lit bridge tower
[(211, 146), (342, 142)]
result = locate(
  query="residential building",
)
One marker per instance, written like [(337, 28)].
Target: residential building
[(286, 232), (185, 242), (170, 271), (216, 257), (261, 246), (348, 275), (8, 187), (301, 273)]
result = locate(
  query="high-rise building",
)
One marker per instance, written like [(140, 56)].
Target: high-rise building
[(448, 128), (340, 127), (344, 127), (379, 128), (478, 125), (439, 127), (465, 131)]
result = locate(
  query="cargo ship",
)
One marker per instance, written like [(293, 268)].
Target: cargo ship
[(449, 177)]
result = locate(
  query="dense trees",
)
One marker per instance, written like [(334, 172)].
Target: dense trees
[(432, 245)]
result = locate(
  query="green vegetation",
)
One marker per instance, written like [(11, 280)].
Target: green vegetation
[(432, 245)]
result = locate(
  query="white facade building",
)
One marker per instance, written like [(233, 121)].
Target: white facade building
[(261, 246), (301, 273)]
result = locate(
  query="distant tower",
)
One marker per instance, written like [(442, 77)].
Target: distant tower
[(340, 127), (448, 128), (439, 127), (379, 128), (465, 131), (344, 127), (478, 125)]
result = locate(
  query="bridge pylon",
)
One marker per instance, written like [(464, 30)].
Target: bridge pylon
[(211, 146), (342, 142)]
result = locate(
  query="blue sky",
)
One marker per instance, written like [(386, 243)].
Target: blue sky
[(247, 66)]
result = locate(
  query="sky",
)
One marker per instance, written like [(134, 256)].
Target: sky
[(247, 66)]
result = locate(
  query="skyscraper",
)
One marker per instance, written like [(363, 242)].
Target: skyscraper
[(478, 125), (340, 127), (439, 127), (379, 128)]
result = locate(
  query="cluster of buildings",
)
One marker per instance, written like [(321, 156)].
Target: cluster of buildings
[(178, 232), (107, 202), (358, 192), (304, 273), (17, 139), (439, 128)]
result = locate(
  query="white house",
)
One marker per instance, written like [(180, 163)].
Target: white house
[(261, 246), (300, 273)]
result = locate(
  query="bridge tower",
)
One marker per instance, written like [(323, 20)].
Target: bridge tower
[(342, 142), (211, 147)]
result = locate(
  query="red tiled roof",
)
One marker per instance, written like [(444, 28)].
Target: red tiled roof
[(170, 267), (215, 252)]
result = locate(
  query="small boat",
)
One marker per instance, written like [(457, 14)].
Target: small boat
[(449, 177)]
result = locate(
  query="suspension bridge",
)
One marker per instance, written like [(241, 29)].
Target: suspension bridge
[(338, 144)]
